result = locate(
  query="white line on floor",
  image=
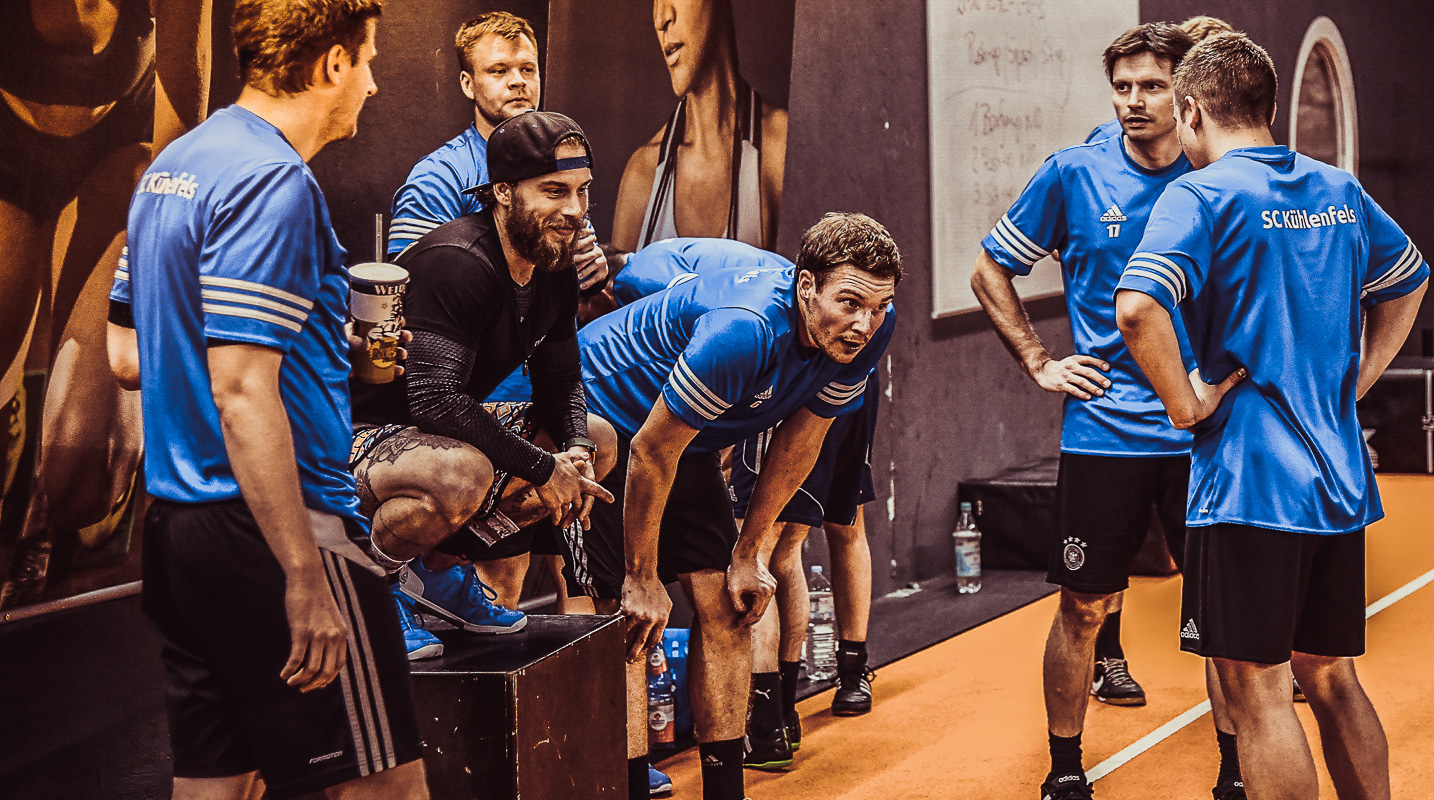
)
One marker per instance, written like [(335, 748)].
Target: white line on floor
[(1167, 730)]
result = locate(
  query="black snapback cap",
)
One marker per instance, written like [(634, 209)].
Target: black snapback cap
[(525, 147)]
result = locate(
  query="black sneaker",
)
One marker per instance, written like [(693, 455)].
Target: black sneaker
[(793, 721), (1234, 790), (1112, 684), (768, 751), (1066, 787), (853, 694)]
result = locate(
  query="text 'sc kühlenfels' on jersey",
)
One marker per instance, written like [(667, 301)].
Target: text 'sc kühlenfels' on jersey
[(229, 241), (1091, 203), (723, 352), (1270, 255)]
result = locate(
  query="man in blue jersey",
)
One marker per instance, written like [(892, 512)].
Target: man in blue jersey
[(1277, 262), (498, 72), (1199, 27), (282, 652), (1120, 456), (830, 497), (682, 374)]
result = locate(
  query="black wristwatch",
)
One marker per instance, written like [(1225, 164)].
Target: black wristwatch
[(578, 441)]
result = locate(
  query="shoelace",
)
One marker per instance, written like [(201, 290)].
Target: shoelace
[(867, 673), (1118, 674), (485, 596)]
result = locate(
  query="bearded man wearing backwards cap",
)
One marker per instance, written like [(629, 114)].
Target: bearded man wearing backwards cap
[(436, 466)]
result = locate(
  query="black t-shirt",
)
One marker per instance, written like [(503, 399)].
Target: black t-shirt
[(460, 288)]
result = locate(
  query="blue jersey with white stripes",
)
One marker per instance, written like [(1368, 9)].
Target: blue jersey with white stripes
[(672, 261), (229, 241), (1091, 202), (722, 351), (1104, 131), (433, 193), (1271, 254)]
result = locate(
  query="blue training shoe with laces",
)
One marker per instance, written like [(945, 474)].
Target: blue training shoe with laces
[(418, 642), (458, 597)]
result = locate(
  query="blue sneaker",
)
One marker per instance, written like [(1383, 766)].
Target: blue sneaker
[(456, 596), (657, 783), (418, 642)]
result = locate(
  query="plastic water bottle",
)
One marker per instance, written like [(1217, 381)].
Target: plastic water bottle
[(968, 552), (821, 628), (661, 701)]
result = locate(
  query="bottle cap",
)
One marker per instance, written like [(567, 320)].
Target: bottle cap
[(965, 506), (816, 569)]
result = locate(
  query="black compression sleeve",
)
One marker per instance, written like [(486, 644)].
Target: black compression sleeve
[(558, 397), (438, 369)]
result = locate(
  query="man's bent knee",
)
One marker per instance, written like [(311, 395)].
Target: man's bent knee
[(1083, 610), (602, 432)]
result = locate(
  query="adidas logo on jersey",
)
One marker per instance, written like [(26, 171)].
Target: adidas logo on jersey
[(1112, 214), (764, 395), (1190, 631), (161, 183)]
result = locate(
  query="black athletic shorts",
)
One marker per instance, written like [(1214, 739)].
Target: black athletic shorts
[(215, 591), (840, 481), (540, 537), (1104, 505), (1253, 594), (697, 530)]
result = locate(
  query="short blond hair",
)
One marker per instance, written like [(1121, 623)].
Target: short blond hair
[(1200, 27), (497, 23), (1232, 78)]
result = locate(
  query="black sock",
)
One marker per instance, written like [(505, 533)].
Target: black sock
[(766, 701), (848, 646), (1107, 643), (1065, 755), (722, 770), (1229, 758), (637, 786), (788, 671)]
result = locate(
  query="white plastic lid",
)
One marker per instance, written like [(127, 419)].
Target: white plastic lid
[(817, 569)]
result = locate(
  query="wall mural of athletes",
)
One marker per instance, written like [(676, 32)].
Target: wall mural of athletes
[(687, 112), (91, 90)]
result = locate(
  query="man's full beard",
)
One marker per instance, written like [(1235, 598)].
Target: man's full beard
[(525, 233)]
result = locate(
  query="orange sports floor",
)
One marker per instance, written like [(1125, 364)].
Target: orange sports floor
[(964, 719)]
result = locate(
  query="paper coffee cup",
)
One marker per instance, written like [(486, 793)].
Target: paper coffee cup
[(376, 303)]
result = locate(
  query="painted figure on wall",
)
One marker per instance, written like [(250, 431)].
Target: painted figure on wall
[(83, 111), (715, 169)]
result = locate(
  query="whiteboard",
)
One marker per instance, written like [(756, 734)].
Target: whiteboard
[(1011, 81)]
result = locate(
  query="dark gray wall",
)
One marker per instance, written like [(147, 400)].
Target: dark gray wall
[(959, 407), (1388, 44)]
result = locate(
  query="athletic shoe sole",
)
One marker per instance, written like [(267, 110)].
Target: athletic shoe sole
[(850, 712), (432, 609), (1120, 701), (769, 766), (433, 650)]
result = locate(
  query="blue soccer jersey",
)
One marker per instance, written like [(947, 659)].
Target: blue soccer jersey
[(723, 352), (1270, 254), (433, 193), (1091, 202), (230, 241), (672, 261), (1104, 131)]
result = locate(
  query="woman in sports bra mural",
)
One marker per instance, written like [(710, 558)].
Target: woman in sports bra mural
[(715, 168), (81, 112)]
